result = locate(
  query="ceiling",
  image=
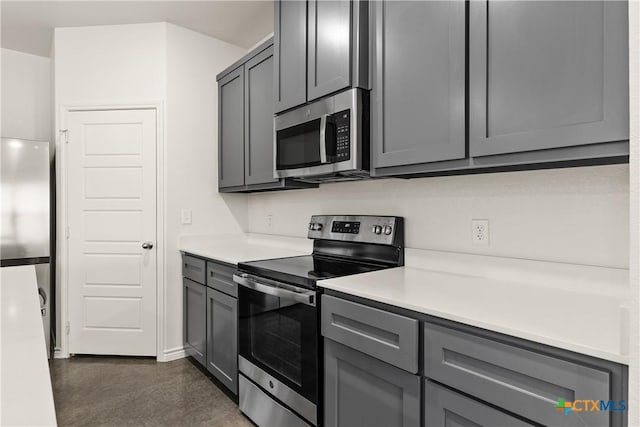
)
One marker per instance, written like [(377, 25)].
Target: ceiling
[(27, 26)]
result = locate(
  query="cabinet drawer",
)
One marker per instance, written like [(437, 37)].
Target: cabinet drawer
[(445, 407), (386, 336), (193, 268), (521, 381), (220, 277)]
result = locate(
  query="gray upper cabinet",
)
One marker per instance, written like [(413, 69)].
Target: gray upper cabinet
[(245, 110), (361, 391), (222, 338), (194, 321), (418, 97), (258, 150), (329, 47), (547, 74), (290, 54), (320, 47), (231, 129)]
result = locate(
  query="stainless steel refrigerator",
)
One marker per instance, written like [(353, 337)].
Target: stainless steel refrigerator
[(25, 230)]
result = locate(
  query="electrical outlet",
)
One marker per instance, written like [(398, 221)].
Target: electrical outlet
[(480, 232), (186, 217), (269, 220)]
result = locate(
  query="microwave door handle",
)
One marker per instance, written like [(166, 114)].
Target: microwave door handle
[(323, 138), (307, 298)]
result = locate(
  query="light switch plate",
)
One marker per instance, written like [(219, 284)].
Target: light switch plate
[(186, 217)]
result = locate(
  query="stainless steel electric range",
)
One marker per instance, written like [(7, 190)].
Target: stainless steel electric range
[(280, 350)]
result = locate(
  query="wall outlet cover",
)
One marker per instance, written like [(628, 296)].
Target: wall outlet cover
[(186, 217), (480, 232)]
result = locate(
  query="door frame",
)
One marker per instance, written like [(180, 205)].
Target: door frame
[(62, 246)]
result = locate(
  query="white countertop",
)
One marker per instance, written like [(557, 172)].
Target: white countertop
[(577, 308), (25, 385), (573, 307), (233, 249)]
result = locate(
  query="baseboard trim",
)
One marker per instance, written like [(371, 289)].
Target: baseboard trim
[(59, 354), (174, 354)]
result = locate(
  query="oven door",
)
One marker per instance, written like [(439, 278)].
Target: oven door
[(320, 138), (305, 145), (278, 332)]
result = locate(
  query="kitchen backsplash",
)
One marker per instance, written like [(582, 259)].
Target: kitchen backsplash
[(575, 215)]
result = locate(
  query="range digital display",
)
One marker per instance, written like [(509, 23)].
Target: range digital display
[(347, 227)]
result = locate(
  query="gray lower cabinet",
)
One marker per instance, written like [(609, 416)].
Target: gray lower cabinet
[(361, 391), (547, 74), (470, 377), (524, 382), (194, 319), (445, 407), (418, 97), (210, 317), (389, 337), (222, 338), (290, 54)]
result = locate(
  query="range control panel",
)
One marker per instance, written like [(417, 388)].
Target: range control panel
[(357, 228), (351, 227)]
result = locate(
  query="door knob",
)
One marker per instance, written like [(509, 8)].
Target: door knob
[(147, 245)]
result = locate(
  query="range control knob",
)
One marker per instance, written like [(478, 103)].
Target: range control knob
[(318, 226), (377, 229), (387, 229), (311, 226)]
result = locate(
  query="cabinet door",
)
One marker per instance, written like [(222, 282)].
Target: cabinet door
[(547, 74), (290, 54), (418, 98), (361, 391), (222, 338), (329, 47), (258, 107), (444, 407), (194, 319), (231, 129)]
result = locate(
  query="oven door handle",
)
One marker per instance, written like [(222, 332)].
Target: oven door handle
[(306, 297), (323, 138)]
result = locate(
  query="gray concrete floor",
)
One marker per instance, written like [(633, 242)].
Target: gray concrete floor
[(122, 391)]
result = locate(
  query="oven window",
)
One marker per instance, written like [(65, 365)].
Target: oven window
[(276, 340), (298, 146), (280, 336)]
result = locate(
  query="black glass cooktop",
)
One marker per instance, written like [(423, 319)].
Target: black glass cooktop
[(305, 270)]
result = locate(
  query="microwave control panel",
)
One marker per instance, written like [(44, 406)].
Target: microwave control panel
[(342, 121)]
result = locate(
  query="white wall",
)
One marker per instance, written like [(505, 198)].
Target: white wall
[(26, 95), (191, 173), (109, 64), (166, 64), (578, 215)]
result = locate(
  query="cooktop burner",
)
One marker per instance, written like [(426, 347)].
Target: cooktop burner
[(305, 270)]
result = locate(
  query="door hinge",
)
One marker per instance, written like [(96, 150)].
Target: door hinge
[(67, 328)]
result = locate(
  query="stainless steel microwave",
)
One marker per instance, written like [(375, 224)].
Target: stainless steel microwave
[(327, 140)]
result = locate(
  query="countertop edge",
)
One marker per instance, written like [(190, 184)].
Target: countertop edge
[(541, 339)]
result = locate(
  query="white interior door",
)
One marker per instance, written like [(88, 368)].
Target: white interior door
[(111, 212)]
